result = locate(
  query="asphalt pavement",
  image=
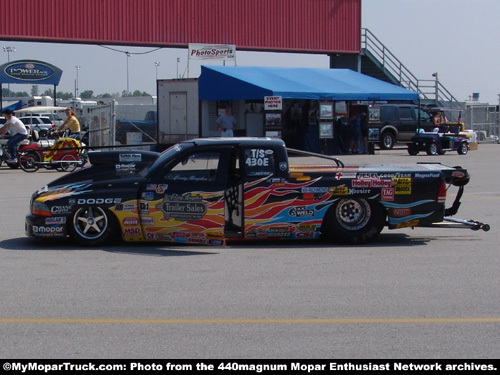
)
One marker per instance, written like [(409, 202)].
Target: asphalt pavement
[(422, 293)]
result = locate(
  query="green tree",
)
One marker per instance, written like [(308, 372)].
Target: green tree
[(87, 94)]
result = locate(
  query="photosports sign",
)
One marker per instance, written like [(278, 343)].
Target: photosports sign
[(212, 51)]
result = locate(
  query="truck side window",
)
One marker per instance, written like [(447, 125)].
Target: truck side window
[(388, 113), (202, 166), (259, 162), (405, 113)]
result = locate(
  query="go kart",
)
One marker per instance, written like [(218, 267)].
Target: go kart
[(437, 143), (63, 154)]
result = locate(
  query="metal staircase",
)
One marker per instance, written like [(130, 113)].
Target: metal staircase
[(379, 62)]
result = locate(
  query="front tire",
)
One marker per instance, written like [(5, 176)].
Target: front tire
[(29, 162), (387, 141), (354, 221), (412, 149), (463, 148), (93, 226), (432, 149), (68, 163)]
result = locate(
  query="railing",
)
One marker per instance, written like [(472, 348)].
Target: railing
[(391, 65)]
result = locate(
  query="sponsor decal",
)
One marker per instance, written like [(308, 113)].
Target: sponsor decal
[(186, 207), (339, 190), (126, 207), (143, 208), (387, 194), (401, 211), (427, 175), (383, 175), (359, 191), (371, 183), (315, 190), (341, 175), (131, 232), (55, 220), (402, 185), (306, 227), (91, 201), (304, 235), (148, 195), (300, 212), (283, 166), (130, 221), (148, 220), (125, 168), (49, 230), (406, 224), (125, 158), (161, 188), (58, 210)]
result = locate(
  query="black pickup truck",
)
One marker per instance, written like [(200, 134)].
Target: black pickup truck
[(147, 127), (213, 190), (391, 123)]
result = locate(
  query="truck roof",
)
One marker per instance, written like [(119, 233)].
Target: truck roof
[(245, 141)]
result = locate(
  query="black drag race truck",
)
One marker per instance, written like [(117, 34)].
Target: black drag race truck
[(214, 190)]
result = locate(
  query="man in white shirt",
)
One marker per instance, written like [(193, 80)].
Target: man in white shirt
[(19, 133), (226, 124)]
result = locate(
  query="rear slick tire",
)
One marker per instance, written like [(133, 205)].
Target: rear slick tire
[(354, 221)]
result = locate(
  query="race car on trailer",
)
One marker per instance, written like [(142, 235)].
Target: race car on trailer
[(213, 190)]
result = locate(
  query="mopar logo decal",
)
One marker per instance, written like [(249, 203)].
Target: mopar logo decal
[(47, 229)]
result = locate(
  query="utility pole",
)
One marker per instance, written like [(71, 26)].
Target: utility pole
[(9, 49), (76, 83)]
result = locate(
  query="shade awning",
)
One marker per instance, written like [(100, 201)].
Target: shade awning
[(253, 83)]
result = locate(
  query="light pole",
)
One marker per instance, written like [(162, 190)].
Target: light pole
[(436, 86), (9, 49), (157, 64), (128, 55), (76, 83)]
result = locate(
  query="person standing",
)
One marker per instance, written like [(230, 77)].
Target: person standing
[(19, 133), (364, 131), (226, 123), (72, 124), (355, 133)]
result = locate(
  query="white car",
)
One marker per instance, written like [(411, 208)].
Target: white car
[(42, 124)]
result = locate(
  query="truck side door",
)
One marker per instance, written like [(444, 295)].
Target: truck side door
[(408, 123), (185, 201), (265, 196)]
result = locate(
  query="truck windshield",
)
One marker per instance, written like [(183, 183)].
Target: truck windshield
[(166, 155)]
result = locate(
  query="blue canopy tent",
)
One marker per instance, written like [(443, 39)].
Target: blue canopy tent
[(15, 105), (253, 83)]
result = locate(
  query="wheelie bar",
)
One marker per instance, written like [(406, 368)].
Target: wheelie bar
[(473, 224)]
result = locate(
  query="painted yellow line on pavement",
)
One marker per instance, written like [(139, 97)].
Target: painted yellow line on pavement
[(249, 321)]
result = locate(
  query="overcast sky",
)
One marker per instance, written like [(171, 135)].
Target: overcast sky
[(459, 39)]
